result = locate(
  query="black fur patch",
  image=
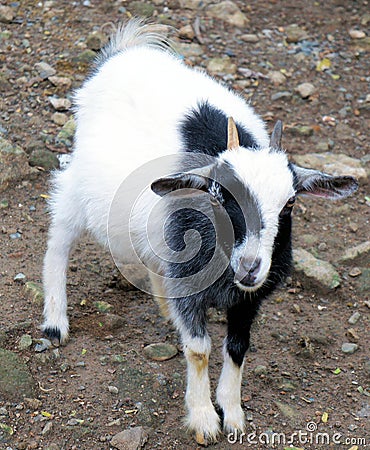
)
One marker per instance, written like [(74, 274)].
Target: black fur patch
[(205, 131)]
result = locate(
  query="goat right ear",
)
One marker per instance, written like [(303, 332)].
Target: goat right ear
[(184, 180)]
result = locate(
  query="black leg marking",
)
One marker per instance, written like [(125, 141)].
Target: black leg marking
[(53, 334)]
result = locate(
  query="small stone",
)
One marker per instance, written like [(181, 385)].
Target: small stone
[(250, 38), (193, 4), (45, 70), (6, 14), (34, 290), (25, 342), (229, 12), (353, 227), (61, 82), (319, 272), (355, 272), (322, 246), (276, 77), (95, 41), (59, 118), (349, 347), (354, 318), (281, 95), (300, 130), (47, 428), (60, 104), (143, 9), (66, 134), (357, 254), (357, 34), (351, 333), (42, 344), (160, 351), (4, 204), (113, 389), (305, 90), (20, 277), (85, 57), (103, 306), (188, 50), (295, 34), (187, 32), (44, 159), (260, 370), (334, 163), (3, 411), (130, 439), (13, 163), (221, 65), (73, 422), (113, 322)]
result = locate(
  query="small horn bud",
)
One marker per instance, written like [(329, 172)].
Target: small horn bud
[(232, 135)]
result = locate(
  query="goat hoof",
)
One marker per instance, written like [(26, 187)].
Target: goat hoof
[(204, 439), (54, 335)]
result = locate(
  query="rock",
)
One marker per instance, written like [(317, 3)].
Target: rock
[(13, 163), (281, 95), (276, 77), (16, 381), (59, 118), (320, 273), (300, 130), (355, 272), (85, 57), (250, 38), (113, 390), (305, 90), (34, 290), (45, 70), (61, 82), (160, 351), (144, 9), (113, 322), (288, 412), (334, 163), (47, 428), (6, 14), (358, 254), (229, 12), (357, 34), (45, 159), (194, 4), (130, 439), (260, 370), (188, 50), (60, 104), (354, 318), (295, 34), (95, 41), (42, 344), (66, 134), (221, 65), (20, 277), (33, 403), (25, 342), (187, 32), (103, 306), (349, 347)]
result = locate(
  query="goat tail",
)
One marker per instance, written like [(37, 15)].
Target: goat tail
[(136, 33)]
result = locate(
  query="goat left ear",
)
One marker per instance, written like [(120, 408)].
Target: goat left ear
[(319, 184), (184, 180)]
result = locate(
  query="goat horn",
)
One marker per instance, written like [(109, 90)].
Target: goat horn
[(232, 135)]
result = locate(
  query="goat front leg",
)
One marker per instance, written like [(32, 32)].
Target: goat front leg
[(202, 417), (236, 344)]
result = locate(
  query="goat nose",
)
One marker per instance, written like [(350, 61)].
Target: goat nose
[(252, 272)]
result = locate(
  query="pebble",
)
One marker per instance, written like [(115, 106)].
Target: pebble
[(59, 118), (34, 290), (295, 34), (300, 130), (103, 306), (61, 82), (44, 159), (187, 32), (25, 342), (357, 34), (20, 277), (193, 4), (45, 70), (6, 14), (13, 163), (281, 95), (66, 134), (85, 57), (250, 38), (142, 9), (354, 318), (349, 347), (276, 77), (47, 428), (60, 104), (229, 12), (42, 344), (188, 50), (355, 272), (130, 439), (95, 41), (357, 254), (3, 411), (319, 272), (16, 235), (221, 65), (113, 389), (160, 351), (322, 246), (352, 334), (305, 90), (260, 370)]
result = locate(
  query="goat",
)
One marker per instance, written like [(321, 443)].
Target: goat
[(143, 103)]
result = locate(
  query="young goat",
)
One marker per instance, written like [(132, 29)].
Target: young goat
[(238, 190)]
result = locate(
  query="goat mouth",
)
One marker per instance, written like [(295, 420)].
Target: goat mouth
[(249, 287)]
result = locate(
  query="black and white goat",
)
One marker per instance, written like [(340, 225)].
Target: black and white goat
[(143, 103)]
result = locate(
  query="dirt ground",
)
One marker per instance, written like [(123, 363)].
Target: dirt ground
[(295, 371)]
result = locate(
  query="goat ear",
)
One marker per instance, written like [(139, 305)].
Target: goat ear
[(276, 135), (184, 180), (318, 184)]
